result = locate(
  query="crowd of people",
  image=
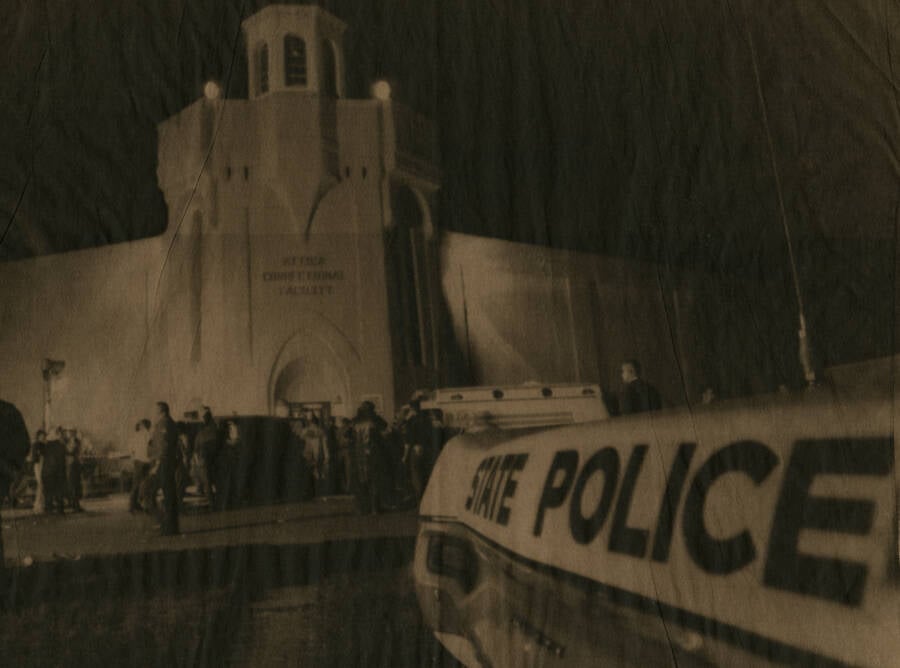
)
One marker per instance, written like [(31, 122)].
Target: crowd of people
[(56, 465), (382, 465), (386, 465)]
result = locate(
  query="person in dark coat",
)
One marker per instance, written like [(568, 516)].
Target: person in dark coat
[(638, 396), (183, 469), (370, 458), (165, 442), (422, 434), (53, 473), (397, 484), (231, 469), (206, 446), (332, 484), (14, 447), (74, 488), (345, 435)]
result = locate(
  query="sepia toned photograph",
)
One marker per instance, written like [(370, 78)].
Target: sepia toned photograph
[(442, 333)]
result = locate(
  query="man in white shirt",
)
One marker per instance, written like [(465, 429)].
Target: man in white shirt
[(139, 449)]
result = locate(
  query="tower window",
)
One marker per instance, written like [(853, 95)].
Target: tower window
[(262, 69), (294, 61)]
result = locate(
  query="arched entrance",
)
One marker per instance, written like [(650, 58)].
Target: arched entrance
[(312, 373), (310, 383)]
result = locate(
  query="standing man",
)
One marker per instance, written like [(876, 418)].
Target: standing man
[(14, 446), (345, 446), (73, 470), (316, 454), (37, 461), (140, 457), (422, 439), (206, 446), (20, 486), (183, 469), (370, 456), (164, 441), (231, 469), (53, 473), (638, 396), (333, 471)]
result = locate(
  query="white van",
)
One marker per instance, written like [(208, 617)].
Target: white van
[(517, 406)]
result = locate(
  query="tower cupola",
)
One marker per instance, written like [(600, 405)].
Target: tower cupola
[(295, 48)]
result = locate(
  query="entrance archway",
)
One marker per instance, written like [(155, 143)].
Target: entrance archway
[(310, 380), (313, 367)]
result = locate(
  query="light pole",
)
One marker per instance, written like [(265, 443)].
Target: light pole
[(804, 352), (49, 369)]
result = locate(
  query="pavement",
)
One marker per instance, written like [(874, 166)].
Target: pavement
[(312, 583), (107, 528)]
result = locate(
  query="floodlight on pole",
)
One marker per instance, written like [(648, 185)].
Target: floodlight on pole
[(51, 368)]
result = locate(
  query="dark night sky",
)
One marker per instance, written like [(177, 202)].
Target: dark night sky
[(631, 128)]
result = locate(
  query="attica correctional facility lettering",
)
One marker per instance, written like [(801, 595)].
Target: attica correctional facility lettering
[(308, 275)]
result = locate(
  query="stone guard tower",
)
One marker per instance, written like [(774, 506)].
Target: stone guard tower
[(302, 270)]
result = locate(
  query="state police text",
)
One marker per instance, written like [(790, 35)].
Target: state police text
[(786, 567)]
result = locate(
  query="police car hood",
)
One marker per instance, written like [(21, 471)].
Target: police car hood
[(757, 516)]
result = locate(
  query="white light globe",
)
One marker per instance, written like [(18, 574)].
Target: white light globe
[(211, 90), (381, 90)]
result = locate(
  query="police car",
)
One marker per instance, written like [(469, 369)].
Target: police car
[(757, 532)]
